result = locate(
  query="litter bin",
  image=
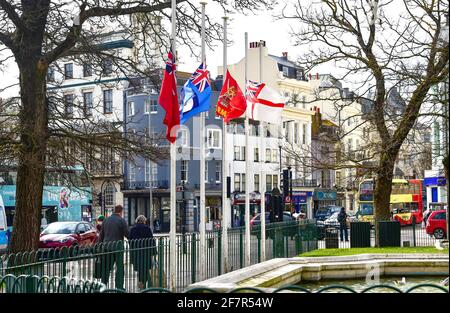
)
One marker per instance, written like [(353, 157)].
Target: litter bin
[(360, 234), (389, 234), (331, 238)]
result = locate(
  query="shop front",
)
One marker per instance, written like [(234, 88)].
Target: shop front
[(302, 202), (213, 212), (238, 207), (436, 192), (323, 198)]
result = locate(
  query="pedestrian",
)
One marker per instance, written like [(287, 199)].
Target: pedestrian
[(113, 231), (142, 246), (100, 220), (342, 219), (426, 214)]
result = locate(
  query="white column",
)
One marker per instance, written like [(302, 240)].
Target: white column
[(202, 254), (173, 177), (262, 179), (247, 169), (226, 207)]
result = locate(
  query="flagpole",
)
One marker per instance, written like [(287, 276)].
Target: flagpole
[(173, 177), (225, 204), (247, 166), (263, 176), (202, 229)]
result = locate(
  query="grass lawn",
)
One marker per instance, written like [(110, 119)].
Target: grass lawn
[(353, 251)]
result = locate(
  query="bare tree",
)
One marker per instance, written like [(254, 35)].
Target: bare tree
[(36, 34), (382, 45)]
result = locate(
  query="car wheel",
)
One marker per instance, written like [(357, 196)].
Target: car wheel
[(438, 233)]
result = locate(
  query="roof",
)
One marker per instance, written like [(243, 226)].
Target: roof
[(283, 61), (328, 123)]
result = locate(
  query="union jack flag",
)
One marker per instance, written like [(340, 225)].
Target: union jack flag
[(253, 89), (200, 78), (170, 64)]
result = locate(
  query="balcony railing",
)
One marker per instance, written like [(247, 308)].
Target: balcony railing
[(139, 185), (304, 183)]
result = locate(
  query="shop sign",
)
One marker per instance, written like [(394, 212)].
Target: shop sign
[(325, 195)]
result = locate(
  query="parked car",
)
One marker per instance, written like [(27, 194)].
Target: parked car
[(68, 234), (256, 220), (326, 212), (436, 224)]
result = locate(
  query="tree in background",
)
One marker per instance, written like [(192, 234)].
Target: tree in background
[(379, 45), (36, 34)]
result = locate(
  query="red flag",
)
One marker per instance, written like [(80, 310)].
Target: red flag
[(231, 103), (168, 99)]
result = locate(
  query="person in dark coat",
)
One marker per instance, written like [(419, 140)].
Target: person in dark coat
[(342, 219), (142, 248)]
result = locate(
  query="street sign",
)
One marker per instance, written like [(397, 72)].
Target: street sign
[(287, 199), (179, 188)]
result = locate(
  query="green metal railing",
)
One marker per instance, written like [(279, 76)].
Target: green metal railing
[(45, 284), (141, 264)]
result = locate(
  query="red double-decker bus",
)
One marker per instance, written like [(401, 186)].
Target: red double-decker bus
[(407, 201)]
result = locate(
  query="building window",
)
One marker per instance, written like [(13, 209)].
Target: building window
[(243, 182), (131, 108), (51, 74), (269, 183), (107, 67), (274, 155), (296, 136), (184, 170), (218, 172), (151, 104), (206, 171), (256, 154), (87, 70), (304, 134), (109, 194), (214, 138), (285, 71), (68, 70), (88, 103), (132, 174), (107, 101), (68, 104), (256, 181), (147, 170), (268, 155), (275, 181), (349, 145), (183, 140), (237, 182), (239, 153), (154, 173)]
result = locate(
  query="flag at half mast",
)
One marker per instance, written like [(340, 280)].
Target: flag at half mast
[(168, 99), (265, 104), (231, 104)]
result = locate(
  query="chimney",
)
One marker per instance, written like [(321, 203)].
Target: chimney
[(285, 55)]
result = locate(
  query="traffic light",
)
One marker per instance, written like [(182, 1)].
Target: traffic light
[(276, 209), (99, 199), (285, 183)]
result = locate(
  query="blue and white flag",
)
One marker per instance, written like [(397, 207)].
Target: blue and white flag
[(196, 94)]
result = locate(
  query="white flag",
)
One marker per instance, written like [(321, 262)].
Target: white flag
[(264, 103)]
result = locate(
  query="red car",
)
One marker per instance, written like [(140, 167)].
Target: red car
[(68, 234), (436, 224)]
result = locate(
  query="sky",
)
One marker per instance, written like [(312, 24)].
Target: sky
[(260, 26)]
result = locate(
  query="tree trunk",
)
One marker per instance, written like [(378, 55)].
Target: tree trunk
[(31, 161), (383, 188)]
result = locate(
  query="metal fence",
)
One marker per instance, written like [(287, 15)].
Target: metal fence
[(137, 264), (414, 235), (36, 284)]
